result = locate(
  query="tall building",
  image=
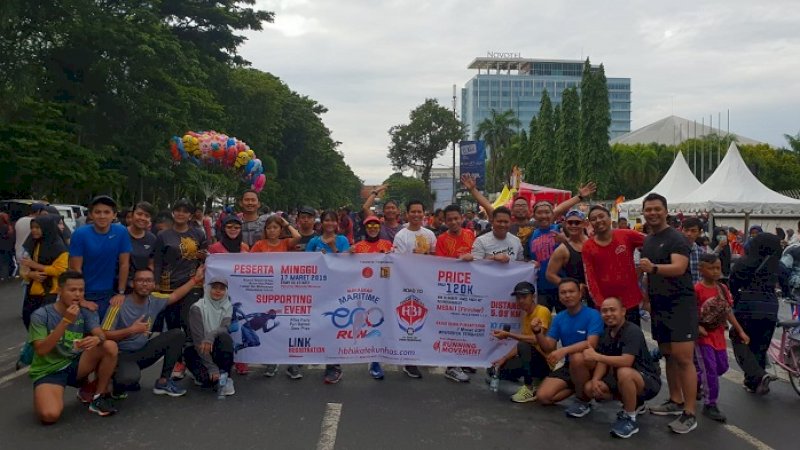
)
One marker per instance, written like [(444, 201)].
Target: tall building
[(506, 81)]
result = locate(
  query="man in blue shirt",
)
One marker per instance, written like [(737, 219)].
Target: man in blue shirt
[(102, 253), (578, 327)]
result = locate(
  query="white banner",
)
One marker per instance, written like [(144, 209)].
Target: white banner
[(314, 308)]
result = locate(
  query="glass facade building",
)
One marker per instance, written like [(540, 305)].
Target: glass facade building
[(517, 84)]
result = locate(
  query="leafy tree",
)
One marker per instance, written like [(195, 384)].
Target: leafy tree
[(567, 140), (497, 130), (432, 128), (402, 189), (595, 158), (794, 142), (543, 155)]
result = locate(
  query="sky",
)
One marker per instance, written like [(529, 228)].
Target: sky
[(370, 62)]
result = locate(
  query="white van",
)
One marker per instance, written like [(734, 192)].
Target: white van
[(70, 218)]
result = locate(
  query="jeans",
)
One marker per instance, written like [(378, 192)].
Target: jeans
[(528, 364), (130, 364), (221, 354), (752, 357)]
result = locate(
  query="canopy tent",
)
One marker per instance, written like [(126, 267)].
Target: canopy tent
[(676, 183), (732, 188)]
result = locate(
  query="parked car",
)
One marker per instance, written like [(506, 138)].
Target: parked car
[(17, 208)]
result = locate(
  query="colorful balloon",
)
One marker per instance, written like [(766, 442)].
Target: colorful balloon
[(207, 148), (259, 183)]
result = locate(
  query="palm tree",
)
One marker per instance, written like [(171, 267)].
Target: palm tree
[(497, 130), (637, 168), (794, 142)]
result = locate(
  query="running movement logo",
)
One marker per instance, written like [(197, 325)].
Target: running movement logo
[(457, 348), (411, 315), (356, 323)]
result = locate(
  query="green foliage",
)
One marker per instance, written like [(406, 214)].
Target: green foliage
[(431, 130), (402, 189), (567, 140), (594, 157), (497, 130), (540, 169), (90, 93)]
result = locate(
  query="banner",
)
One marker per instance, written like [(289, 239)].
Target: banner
[(473, 161), (315, 308)]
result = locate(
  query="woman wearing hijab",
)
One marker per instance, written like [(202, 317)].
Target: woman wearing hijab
[(752, 283), (230, 240), (719, 245), (7, 241), (211, 352), (49, 258)]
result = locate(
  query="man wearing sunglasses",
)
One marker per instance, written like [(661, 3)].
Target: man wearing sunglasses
[(567, 260)]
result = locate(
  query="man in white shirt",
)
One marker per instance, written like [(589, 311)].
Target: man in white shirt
[(499, 245)]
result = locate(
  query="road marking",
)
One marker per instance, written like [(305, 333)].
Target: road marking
[(16, 374), (747, 437), (330, 424)]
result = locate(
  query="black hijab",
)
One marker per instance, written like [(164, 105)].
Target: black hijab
[(758, 269), (51, 244), (231, 245)]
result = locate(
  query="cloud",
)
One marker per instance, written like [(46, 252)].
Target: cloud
[(372, 62)]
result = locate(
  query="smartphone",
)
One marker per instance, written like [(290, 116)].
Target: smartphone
[(723, 239)]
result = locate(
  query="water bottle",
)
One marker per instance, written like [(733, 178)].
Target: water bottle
[(494, 384), (223, 380)]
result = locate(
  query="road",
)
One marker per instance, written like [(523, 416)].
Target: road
[(361, 413)]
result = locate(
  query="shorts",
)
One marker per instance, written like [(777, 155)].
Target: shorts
[(674, 320), (652, 385), (562, 373), (550, 301), (633, 316), (68, 376)]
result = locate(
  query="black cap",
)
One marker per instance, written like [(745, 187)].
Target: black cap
[(307, 210), (103, 200), (36, 207), (183, 203), (524, 288)]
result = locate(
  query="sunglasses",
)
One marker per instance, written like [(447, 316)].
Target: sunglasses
[(373, 225), (574, 222)]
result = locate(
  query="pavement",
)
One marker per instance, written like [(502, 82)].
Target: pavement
[(361, 413)]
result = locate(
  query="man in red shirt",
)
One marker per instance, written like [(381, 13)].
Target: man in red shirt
[(608, 260), (457, 241)]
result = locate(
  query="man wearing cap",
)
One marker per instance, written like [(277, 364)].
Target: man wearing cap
[(130, 325), (102, 253), (543, 243), (608, 260), (305, 226), (527, 359), (567, 260)]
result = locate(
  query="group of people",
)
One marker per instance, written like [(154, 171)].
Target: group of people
[(120, 297)]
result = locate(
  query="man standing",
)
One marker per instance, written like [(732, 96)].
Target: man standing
[(625, 370), (414, 239), (305, 226), (665, 260), (527, 358), (130, 325), (252, 221), (567, 258), (69, 345), (609, 264), (102, 253), (391, 214), (499, 245), (521, 225)]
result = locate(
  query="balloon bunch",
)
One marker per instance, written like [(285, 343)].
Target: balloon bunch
[(209, 148)]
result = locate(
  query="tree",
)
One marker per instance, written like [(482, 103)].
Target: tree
[(567, 140), (402, 189), (794, 142), (637, 169), (497, 130), (540, 169), (595, 158), (432, 128)]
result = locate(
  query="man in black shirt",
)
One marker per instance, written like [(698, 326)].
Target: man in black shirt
[(142, 240), (625, 370), (305, 226), (665, 260)]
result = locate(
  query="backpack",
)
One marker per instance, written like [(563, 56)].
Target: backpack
[(714, 312)]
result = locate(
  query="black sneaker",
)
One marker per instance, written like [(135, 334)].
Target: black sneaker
[(763, 386), (102, 405), (713, 413), (412, 371)]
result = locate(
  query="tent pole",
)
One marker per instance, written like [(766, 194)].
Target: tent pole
[(746, 224)]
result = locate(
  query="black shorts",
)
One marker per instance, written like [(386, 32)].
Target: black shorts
[(633, 316), (674, 320), (67, 376), (652, 385), (562, 373), (550, 301)]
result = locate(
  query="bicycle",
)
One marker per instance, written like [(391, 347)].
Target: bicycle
[(785, 352)]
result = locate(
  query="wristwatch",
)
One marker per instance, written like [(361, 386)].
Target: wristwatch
[(120, 292), (655, 269)]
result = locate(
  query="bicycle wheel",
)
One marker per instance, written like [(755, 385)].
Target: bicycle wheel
[(794, 380)]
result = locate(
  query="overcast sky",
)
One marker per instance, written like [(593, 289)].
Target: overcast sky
[(370, 62)]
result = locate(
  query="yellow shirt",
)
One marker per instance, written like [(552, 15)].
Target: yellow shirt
[(542, 314), (53, 271)]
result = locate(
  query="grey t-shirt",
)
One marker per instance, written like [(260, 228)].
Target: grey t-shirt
[(487, 244), (123, 316), (253, 230)]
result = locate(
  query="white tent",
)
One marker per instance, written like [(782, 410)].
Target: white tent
[(732, 188), (676, 183)]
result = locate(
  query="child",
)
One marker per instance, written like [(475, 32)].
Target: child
[(714, 304)]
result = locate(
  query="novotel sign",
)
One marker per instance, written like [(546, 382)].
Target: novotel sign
[(504, 55)]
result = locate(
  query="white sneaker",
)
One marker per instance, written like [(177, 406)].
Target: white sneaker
[(456, 374), (228, 388)]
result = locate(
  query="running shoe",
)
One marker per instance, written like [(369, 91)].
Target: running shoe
[(412, 371), (713, 413), (86, 392), (469, 370), (294, 372), (228, 389), (683, 424), (641, 408), (523, 395), (668, 408), (169, 387), (102, 405), (242, 368), (333, 375), (456, 374), (763, 386), (375, 371), (179, 371), (271, 370), (578, 409), (625, 426)]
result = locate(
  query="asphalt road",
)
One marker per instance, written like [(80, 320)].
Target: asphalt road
[(361, 413)]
